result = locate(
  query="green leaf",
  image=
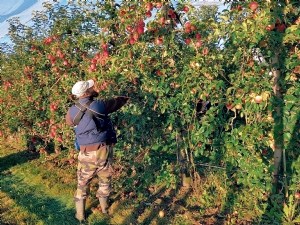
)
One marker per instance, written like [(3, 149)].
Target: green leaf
[(297, 220)]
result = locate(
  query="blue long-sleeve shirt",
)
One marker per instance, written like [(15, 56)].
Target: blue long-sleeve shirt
[(87, 134)]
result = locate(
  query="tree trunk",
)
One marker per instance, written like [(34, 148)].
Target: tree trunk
[(278, 118), (185, 175)]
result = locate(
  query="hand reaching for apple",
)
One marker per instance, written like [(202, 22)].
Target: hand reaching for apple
[(96, 86)]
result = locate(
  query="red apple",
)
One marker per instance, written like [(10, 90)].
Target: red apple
[(122, 20), (27, 69), (149, 6), (281, 27), (105, 54), (159, 73), (229, 106), (193, 28), (159, 41), (140, 30), (205, 51), (53, 107), (171, 12), (129, 29), (270, 27), (93, 66), (48, 40), (55, 69), (104, 47), (7, 84), (238, 8), (55, 37), (187, 24), (198, 36), (135, 36), (59, 54), (173, 15), (59, 139), (66, 63), (258, 99), (188, 41), (185, 9), (253, 6), (122, 12), (198, 44), (94, 60), (53, 129), (51, 58), (141, 23), (264, 152), (297, 195), (33, 139), (148, 14), (132, 40), (187, 30), (162, 20), (33, 48)]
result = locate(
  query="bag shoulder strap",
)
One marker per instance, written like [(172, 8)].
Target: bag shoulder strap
[(81, 112)]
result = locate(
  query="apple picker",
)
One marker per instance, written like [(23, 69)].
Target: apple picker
[(96, 136)]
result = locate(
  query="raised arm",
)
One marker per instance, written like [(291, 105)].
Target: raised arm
[(115, 104)]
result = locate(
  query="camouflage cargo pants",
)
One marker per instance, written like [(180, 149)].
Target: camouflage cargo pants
[(91, 164)]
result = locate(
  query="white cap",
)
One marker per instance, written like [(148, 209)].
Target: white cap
[(81, 86)]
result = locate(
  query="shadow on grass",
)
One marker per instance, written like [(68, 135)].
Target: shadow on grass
[(43, 208), (29, 198), (14, 159), (128, 207), (160, 207)]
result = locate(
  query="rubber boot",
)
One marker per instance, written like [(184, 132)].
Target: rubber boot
[(103, 204), (80, 208)]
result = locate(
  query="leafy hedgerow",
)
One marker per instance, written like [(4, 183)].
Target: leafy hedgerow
[(169, 57)]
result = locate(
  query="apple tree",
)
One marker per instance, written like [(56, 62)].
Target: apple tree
[(207, 88)]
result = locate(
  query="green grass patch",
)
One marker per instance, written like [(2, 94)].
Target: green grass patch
[(34, 192)]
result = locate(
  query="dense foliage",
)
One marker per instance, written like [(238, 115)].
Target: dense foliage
[(171, 58)]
